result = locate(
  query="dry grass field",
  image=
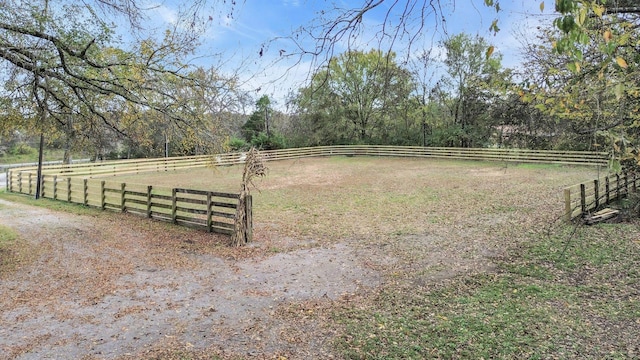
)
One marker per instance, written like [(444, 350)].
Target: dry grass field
[(344, 198), (353, 257)]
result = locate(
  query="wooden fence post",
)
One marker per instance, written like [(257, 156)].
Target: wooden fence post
[(209, 208), (607, 189), (68, 189), (103, 197), (123, 193), (583, 199), (42, 185), (596, 192), (149, 188), (20, 182), (174, 205), (8, 184), (248, 203), (85, 192), (567, 204), (55, 187), (30, 186)]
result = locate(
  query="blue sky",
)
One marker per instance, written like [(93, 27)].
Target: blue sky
[(257, 22)]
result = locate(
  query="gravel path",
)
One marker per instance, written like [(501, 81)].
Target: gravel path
[(102, 291)]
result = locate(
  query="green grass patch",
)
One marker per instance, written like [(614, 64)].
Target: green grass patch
[(31, 155), (57, 205), (13, 251), (7, 236), (560, 297)]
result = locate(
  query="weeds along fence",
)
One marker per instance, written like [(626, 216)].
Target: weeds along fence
[(208, 210), (583, 199)]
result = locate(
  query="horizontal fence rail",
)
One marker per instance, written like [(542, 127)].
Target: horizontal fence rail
[(583, 199)]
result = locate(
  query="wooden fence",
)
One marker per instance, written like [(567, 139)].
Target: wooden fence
[(585, 198), (23, 179), (485, 154), (137, 166), (208, 210)]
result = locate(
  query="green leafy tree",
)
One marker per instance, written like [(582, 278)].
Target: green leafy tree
[(258, 122), (259, 130), (356, 99), (586, 77), (473, 82), (67, 73)]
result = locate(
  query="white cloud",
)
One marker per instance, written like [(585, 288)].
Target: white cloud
[(165, 14), (294, 3)]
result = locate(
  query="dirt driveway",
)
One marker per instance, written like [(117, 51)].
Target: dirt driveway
[(97, 290)]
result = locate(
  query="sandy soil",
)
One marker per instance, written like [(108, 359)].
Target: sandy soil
[(101, 292)]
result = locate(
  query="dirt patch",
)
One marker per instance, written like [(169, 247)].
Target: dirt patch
[(105, 292)]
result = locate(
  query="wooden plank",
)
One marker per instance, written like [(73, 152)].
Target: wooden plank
[(223, 215), (161, 216), (219, 224), (203, 192), (129, 193), (191, 210), (191, 201), (162, 197), (136, 201), (602, 215), (191, 219)]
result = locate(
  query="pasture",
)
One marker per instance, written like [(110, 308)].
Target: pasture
[(340, 198), (353, 257)]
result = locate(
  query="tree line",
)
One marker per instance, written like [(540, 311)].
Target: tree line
[(69, 78)]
